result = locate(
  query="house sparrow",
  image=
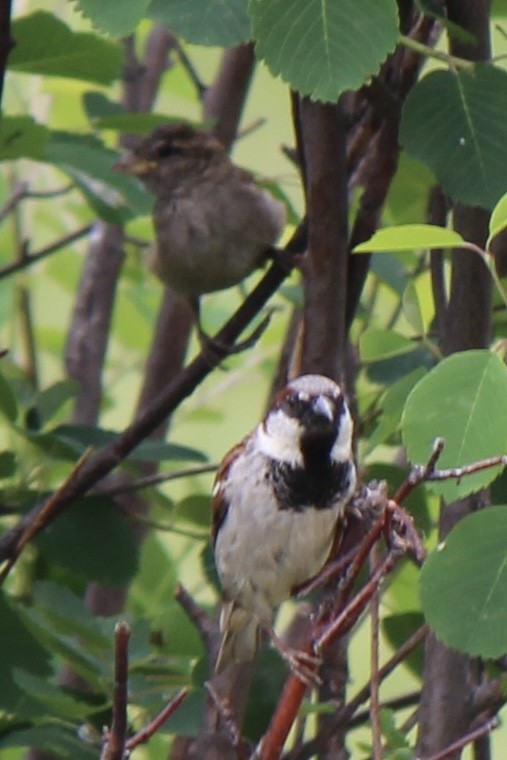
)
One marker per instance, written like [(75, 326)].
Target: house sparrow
[(278, 501), (214, 225)]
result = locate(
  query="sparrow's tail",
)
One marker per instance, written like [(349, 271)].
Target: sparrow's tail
[(240, 636)]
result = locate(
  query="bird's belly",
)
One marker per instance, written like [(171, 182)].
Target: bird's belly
[(280, 550)]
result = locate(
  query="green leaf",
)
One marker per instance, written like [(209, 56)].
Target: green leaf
[(322, 47), (89, 163), (412, 309), (392, 403), (114, 17), (463, 400), (397, 629), (464, 585), (138, 123), (454, 122), (383, 344), (195, 509), (24, 652), (68, 615), (57, 740), (406, 237), (204, 22), (498, 219), (22, 137), (45, 45), (51, 698), (98, 106), (84, 436), (51, 400), (7, 464), (94, 540), (8, 405)]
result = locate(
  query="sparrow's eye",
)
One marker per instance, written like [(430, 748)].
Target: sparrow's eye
[(167, 149), (295, 406)]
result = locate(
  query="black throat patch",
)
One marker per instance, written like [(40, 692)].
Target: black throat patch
[(317, 485)]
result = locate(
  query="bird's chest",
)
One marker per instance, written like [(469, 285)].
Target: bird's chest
[(264, 550)]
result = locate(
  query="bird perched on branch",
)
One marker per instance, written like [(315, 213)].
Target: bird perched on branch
[(214, 225), (278, 509)]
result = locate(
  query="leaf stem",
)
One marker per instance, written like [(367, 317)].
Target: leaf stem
[(439, 55)]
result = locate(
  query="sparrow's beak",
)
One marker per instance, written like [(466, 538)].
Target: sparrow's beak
[(323, 407), (129, 163)]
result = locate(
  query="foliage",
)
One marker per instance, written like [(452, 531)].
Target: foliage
[(61, 124)]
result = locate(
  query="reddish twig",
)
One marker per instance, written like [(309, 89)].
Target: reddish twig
[(376, 729), (419, 473), (153, 726), (115, 739), (425, 473), (467, 738)]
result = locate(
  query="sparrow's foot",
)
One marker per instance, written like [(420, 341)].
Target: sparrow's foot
[(215, 351), (303, 664)]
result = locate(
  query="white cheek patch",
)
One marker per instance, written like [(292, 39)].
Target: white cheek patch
[(342, 449), (278, 438)]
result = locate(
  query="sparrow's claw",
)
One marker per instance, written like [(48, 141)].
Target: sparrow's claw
[(303, 664)]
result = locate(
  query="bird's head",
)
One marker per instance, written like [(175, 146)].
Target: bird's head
[(309, 423)]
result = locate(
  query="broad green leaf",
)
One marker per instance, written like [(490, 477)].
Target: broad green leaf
[(7, 464), (57, 740), (397, 629), (81, 540), (195, 509), (24, 652), (454, 122), (464, 585), (498, 219), (89, 163), (138, 123), (50, 401), (412, 308), (464, 401), (22, 137), (8, 404), (383, 344), (204, 22), (113, 17), (97, 105), (322, 47), (45, 45), (69, 616), (84, 436), (392, 403), (406, 237), (53, 699)]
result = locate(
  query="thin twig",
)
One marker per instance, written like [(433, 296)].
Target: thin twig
[(115, 740), (153, 726), (376, 729), (155, 480), (32, 258), (189, 67), (362, 695), (468, 738), (206, 626)]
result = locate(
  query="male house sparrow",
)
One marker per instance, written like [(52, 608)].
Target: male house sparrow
[(213, 224), (277, 501)]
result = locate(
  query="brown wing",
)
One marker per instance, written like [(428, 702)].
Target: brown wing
[(219, 504)]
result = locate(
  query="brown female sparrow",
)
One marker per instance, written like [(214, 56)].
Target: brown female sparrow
[(278, 501), (214, 225)]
